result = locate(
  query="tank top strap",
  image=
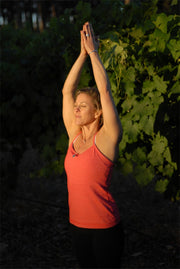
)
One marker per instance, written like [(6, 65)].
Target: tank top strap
[(94, 139), (75, 138)]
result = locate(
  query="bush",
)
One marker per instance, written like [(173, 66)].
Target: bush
[(140, 50)]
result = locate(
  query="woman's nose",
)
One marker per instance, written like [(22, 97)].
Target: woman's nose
[(77, 108)]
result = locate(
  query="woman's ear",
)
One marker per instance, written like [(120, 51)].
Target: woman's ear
[(99, 116), (98, 113)]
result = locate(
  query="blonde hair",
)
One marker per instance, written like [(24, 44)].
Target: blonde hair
[(95, 95)]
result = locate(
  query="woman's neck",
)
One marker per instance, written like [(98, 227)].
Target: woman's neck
[(88, 132)]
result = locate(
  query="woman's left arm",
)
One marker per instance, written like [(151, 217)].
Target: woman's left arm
[(112, 125)]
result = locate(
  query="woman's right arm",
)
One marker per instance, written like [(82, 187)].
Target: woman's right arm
[(69, 87)]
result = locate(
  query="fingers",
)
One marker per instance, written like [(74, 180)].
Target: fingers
[(90, 42), (87, 28), (83, 49), (82, 35)]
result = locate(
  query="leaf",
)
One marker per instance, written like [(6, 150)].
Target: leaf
[(161, 22), (159, 151), (147, 124), (151, 70), (129, 74), (107, 62), (128, 103), (144, 175), (112, 35), (159, 143), (116, 99), (167, 154), (160, 84), (127, 166), (161, 185), (132, 130), (177, 77), (174, 2), (139, 108), (129, 88), (157, 41), (123, 143), (155, 158), (139, 155), (118, 49), (156, 99), (137, 33), (174, 47), (148, 86), (147, 25), (168, 170)]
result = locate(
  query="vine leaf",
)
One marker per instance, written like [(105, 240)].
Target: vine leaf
[(162, 21), (174, 47), (143, 174), (161, 185)]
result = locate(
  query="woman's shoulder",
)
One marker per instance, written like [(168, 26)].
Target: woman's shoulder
[(106, 145)]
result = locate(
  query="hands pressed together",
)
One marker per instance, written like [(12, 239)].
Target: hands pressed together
[(89, 42)]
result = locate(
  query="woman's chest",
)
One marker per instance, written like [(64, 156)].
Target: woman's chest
[(80, 146), (86, 168)]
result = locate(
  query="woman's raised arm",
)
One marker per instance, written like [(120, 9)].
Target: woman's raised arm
[(70, 86), (112, 125)]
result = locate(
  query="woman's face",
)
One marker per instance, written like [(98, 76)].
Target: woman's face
[(84, 110)]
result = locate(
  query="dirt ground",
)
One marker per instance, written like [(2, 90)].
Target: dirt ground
[(35, 231)]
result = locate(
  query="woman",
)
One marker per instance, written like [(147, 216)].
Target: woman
[(94, 131)]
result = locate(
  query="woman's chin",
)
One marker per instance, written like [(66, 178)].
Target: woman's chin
[(78, 122)]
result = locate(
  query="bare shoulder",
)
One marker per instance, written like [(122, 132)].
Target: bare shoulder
[(106, 145)]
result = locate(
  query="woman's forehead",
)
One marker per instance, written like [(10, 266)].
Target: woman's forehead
[(83, 97)]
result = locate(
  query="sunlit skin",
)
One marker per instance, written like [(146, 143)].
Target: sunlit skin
[(87, 118), (81, 116), (84, 110)]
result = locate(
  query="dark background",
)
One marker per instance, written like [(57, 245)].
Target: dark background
[(39, 43)]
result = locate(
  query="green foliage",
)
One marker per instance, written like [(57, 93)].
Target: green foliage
[(161, 185), (33, 71), (142, 63), (140, 49)]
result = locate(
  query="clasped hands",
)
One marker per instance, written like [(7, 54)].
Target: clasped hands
[(89, 42)]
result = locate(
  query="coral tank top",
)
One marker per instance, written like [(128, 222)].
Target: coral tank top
[(88, 179)]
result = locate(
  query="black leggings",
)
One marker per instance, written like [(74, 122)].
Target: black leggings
[(98, 248)]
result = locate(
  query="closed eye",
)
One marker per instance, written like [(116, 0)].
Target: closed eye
[(81, 106)]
